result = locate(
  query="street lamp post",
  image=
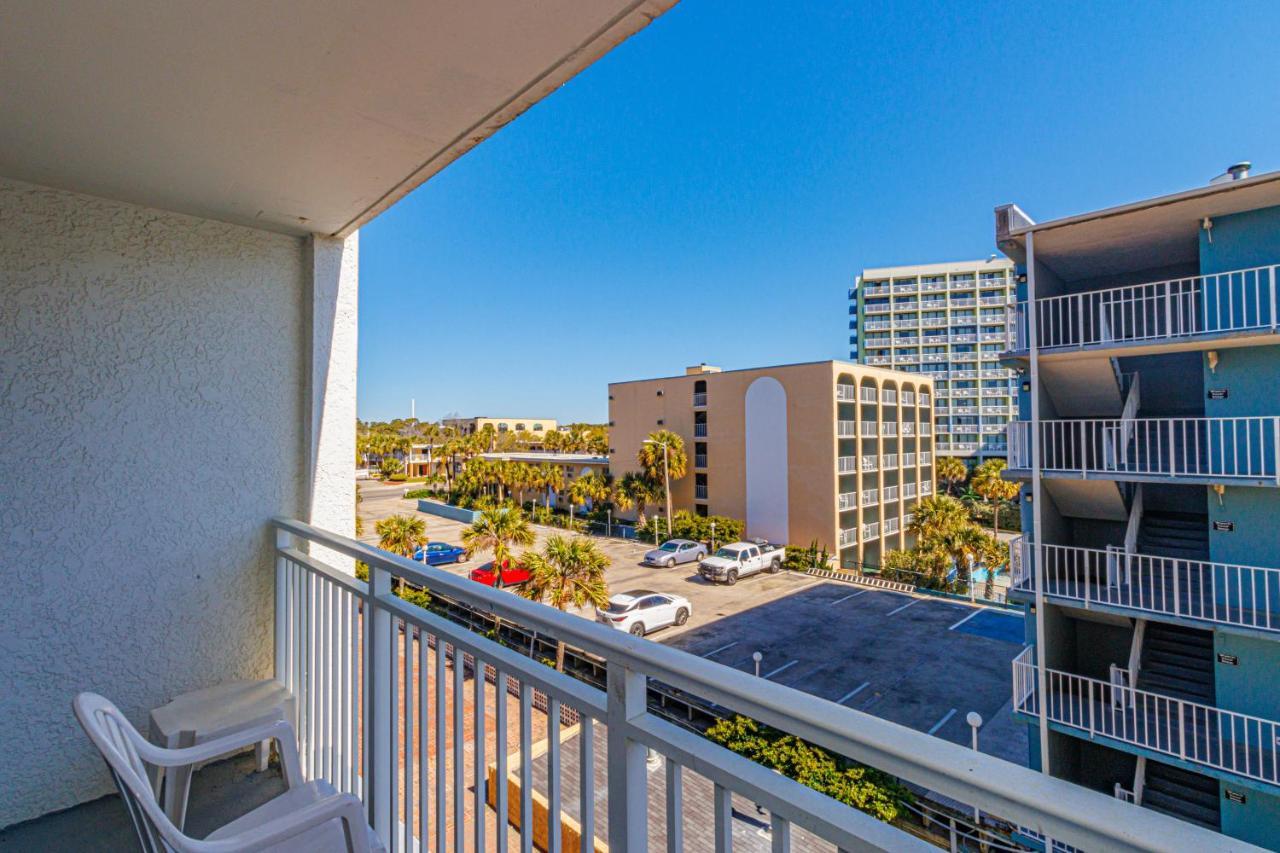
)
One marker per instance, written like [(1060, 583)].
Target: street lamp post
[(713, 536), (974, 719), (757, 657)]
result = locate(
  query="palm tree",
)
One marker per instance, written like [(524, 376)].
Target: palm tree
[(588, 487), (550, 479), (950, 471), (936, 517), (663, 458), (568, 573), (634, 490), (989, 482), (401, 534), (497, 530)]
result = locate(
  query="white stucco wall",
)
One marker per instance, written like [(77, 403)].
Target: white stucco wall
[(154, 415)]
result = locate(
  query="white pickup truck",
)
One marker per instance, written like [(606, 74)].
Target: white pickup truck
[(741, 559)]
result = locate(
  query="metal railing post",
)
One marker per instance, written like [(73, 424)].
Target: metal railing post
[(1271, 275), (628, 778), (283, 539), (377, 710)]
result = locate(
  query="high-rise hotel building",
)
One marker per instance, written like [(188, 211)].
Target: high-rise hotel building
[(951, 322), (1148, 438), (827, 452)]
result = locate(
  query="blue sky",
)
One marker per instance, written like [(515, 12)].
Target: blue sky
[(709, 190)]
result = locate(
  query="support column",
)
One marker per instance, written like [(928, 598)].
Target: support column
[(331, 401)]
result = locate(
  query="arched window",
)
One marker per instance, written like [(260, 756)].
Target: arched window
[(537, 427), (519, 427)]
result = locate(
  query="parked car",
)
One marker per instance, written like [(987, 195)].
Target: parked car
[(675, 551), (740, 559), (439, 553), (512, 575), (642, 610)]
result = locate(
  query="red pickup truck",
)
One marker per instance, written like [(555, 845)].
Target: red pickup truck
[(511, 575)]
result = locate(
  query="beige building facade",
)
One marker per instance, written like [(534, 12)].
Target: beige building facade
[(827, 451), (469, 426)]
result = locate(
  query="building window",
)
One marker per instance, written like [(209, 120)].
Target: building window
[(537, 427), (519, 427), (700, 509)]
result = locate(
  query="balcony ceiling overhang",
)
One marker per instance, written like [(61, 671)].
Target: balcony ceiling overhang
[(1158, 232), (300, 117)]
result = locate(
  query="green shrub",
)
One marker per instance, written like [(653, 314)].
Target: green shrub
[(802, 559), (396, 478), (865, 788), (686, 525), (413, 595), (420, 493)]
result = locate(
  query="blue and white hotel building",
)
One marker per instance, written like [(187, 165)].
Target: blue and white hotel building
[(1148, 440)]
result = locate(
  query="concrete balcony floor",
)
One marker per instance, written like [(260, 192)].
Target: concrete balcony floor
[(220, 793)]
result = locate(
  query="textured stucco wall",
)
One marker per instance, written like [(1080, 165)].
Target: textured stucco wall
[(153, 417)]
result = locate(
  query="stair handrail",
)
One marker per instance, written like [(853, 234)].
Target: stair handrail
[(1119, 679), (1135, 650), (1139, 779)]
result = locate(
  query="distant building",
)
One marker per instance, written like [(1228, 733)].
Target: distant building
[(468, 426), (827, 451), (950, 321)]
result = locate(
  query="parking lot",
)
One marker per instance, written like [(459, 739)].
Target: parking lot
[(919, 661)]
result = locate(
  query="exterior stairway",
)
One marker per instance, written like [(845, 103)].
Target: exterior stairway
[(1178, 662), (1181, 535), (1182, 794)]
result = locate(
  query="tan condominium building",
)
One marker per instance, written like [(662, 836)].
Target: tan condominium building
[(825, 451), (467, 426)]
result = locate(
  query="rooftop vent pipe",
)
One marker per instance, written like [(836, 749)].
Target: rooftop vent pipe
[(1237, 172)]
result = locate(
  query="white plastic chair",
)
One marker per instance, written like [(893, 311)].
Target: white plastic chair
[(309, 816)]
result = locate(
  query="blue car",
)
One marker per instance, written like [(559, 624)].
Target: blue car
[(438, 553)]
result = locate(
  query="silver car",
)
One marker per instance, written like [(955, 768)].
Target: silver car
[(675, 551)]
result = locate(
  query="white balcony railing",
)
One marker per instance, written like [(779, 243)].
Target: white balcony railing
[(1197, 448), (890, 525), (870, 462), (848, 500), (869, 497), (926, 487), (908, 460), (908, 398), (1221, 593), (926, 458), (846, 429), (924, 398), (867, 394), (888, 429), (846, 393), (848, 537), (934, 357), (868, 429), (1223, 740), (879, 359), (871, 325), (699, 398), (881, 308), (926, 428), (890, 493), (888, 395), (908, 490), (870, 530), (889, 460), (1238, 301), (847, 465), (372, 675)]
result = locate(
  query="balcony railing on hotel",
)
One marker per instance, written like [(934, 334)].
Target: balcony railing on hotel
[(848, 537), (1195, 448), (1238, 301), (847, 500), (847, 464), (1200, 734), (868, 429), (889, 460), (870, 530), (846, 393), (700, 430), (700, 460), (699, 398), (869, 497), (870, 462), (372, 675), (1221, 593), (846, 429)]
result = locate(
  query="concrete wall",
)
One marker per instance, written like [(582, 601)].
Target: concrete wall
[(155, 375)]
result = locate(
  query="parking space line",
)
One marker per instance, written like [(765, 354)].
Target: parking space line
[(854, 692), (943, 721), (967, 618), (781, 668), (722, 648), (905, 606), (850, 595)]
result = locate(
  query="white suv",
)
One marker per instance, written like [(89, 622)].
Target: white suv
[(641, 610)]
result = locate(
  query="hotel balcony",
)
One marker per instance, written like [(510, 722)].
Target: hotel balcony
[(906, 322), (907, 305), (906, 341), (869, 429), (847, 429), (700, 460), (846, 393), (933, 304), (933, 286), (700, 430), (848, 537), (1236, 308), (1201, 737), (1198, 593), (924, 398), (876, 290), (870, 462), (699, 399), (963, 302), (870, 497), (879, 359), (877, 308), (889, 460), (871, 325), (1239, 451), (870, 531), (933, 322), (847, 501), (847, 465)]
